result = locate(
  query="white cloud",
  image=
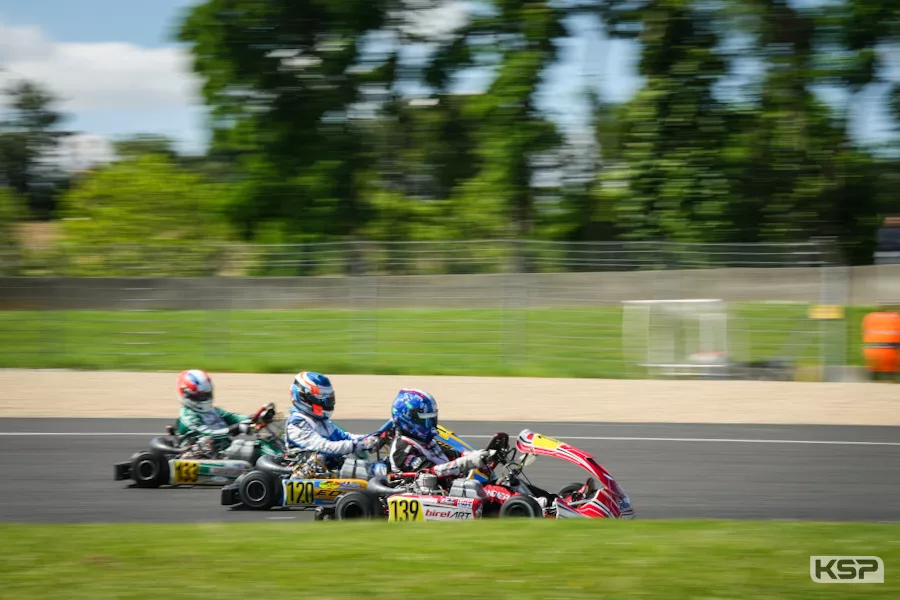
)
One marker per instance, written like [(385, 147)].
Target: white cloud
[(100, 75)]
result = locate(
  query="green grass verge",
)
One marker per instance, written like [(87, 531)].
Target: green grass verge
[(487, 559), (573, 342)]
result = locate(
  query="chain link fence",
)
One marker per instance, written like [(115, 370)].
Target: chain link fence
[(479, 307)]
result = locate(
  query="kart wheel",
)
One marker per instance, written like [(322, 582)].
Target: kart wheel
[(521, 506), (149, 470), (257, 491), (354, 505)]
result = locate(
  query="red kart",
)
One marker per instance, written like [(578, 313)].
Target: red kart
[(425, 497)]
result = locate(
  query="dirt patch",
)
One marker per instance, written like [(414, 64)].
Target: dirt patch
[(63, 393)]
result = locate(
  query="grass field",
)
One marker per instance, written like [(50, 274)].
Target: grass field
[(565, 342), (496, 559)]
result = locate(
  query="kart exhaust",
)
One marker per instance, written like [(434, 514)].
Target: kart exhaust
[(379, 486), (267, 463), (162, 445)]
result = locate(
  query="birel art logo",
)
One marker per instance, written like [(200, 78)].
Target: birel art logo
[(447, 514), (846, 569)]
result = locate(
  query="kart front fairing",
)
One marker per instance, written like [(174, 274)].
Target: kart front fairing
[(537, 444)]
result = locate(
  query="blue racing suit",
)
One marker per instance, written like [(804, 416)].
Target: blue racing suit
[(307, 434)]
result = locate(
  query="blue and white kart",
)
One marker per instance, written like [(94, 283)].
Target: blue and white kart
[(303, 481)]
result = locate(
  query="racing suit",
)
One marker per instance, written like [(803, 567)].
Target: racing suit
[(218, 424), (311, 435), (409, 455)]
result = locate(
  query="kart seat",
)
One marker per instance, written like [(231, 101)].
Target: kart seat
[(590, 488)]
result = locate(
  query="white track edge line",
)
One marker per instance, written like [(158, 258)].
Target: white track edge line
[(479, 436)]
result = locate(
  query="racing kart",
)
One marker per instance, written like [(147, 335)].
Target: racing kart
[(424, 497), (304, 481), (182, 460)]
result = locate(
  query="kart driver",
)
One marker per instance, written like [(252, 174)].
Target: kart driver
[(415, 417), (309, 426), (198, 418)]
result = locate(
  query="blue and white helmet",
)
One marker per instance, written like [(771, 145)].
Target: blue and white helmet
[(313, 394), (415, 414)]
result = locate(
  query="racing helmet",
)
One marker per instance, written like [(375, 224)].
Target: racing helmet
[(195, 389), (313, 394), (415, 414)]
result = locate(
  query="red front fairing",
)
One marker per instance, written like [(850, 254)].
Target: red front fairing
[(610, 501)]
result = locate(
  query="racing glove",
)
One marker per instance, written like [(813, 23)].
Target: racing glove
[(239, 428), (367, 443), (473, 460)]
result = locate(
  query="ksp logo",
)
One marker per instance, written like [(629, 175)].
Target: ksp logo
[(846, 569)]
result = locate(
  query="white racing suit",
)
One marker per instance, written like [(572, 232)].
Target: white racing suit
[(311, 435), (409, 455)]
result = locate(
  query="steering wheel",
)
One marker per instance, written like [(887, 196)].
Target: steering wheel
[(264, 416), (498, 448)]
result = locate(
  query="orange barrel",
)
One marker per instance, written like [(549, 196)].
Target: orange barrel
[(881, 341)]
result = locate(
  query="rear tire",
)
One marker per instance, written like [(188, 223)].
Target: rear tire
[(149, 470), (354, 505), (521, 507), (257, 490)]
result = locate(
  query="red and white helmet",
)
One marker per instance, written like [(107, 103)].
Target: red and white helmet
[(196, 390)]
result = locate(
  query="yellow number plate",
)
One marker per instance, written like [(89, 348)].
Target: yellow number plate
[(185, 471), (299, 492), (405, 509)]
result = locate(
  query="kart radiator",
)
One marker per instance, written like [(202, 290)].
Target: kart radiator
[(354, 468)]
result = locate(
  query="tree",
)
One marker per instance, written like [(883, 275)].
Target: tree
[(144, 217), (11, 212), (27, 135), (520, 38), (665, 173), (282, 79)]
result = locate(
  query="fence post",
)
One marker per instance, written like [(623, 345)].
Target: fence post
[(832, 292)]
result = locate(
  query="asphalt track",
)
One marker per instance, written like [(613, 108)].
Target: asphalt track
[(61, 470)]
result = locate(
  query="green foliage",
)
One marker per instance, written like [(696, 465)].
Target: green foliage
[(772, 163), (315, 137), (11, 215), (27, 133), (144, 217), (138, 145), (668, 179)]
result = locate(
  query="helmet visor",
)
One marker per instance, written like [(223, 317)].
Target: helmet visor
[(199, 396), (428, 420), (326, 401)]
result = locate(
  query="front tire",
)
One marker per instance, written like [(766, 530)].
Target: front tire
[(257, 490), (149, 470), (521, 507), (354, 505)]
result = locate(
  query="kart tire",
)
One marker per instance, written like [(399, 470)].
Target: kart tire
[(149, 470), (257, 490), (354, 505), (522, 507)]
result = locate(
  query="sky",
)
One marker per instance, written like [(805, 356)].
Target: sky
[(119, 72)]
